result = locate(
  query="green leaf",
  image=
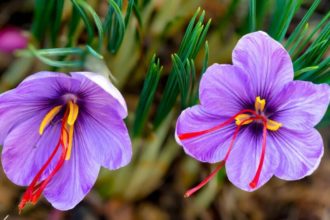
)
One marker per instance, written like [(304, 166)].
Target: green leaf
[(56, 24), (284, 12), (147, 95), (190, 46), (55, 63), (42, 16), (297, 33), (297, 50), (114, 26), (252, 15), (75, 18), (304, 70), (93, 52), (130, 7), (97, 22), (84, 17)]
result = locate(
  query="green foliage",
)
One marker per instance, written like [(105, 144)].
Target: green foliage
[(147, 95), (190, 46), (114, 26), (47, 18), (283, 14), (252, 15)]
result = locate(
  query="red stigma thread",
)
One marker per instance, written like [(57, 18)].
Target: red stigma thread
[(255, 180), (227, 122), (34, 190)]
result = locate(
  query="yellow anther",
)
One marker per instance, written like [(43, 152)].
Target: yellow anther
[(259, 105), (73, 113), (48, 118), (273, 125), (242, 117), (64, 137), (69, 147)]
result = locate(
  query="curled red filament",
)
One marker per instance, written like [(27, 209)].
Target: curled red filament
[(36, 187), (256, 116)]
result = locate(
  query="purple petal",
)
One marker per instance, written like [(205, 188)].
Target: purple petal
[(301, 152), (94, 83), (267, 63), (25, 151), (224, 90), (39, 92), (211, 147), (106, 136), (243, 161), (75, 178), (301, 105)]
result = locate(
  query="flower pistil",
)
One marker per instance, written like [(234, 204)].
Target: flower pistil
[(244, 117), (37, 186)]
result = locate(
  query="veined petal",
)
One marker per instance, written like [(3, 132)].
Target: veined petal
[(301, 105), (211, 147), (75, 178), (39, 92), (243, 161), (106, 136), (266, 62), (225, 90), (301, 152), (98, 82), (25, 151)]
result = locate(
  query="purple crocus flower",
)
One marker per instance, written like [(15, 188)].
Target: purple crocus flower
[(57, 130), (254, 119)]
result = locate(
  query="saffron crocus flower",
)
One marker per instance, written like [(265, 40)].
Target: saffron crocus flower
[(254, 119), (57, 130), (11, 39)]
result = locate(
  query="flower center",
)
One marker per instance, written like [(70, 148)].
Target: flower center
[(259, 106), (37, 186), (244, 117)]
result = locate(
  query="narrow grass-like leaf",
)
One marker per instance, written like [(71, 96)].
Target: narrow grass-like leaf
[(55, 51), (190, 46), (252, 15), (284, 12), (181, 75), (304, 60), (97, 21), (129, 10), (75, 18), (93, 52), (302, 46), (304, 70), (201, 39), (42, 15), (147, 96), (84, 17), (114, 26), (319, 75), (55, 63), (297, 33), (56, 24)]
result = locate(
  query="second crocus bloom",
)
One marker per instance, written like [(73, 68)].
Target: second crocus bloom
[(254, 119), (57, 131)]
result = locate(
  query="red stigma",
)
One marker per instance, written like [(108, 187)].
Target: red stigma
[(36, 187), (255, 116)]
